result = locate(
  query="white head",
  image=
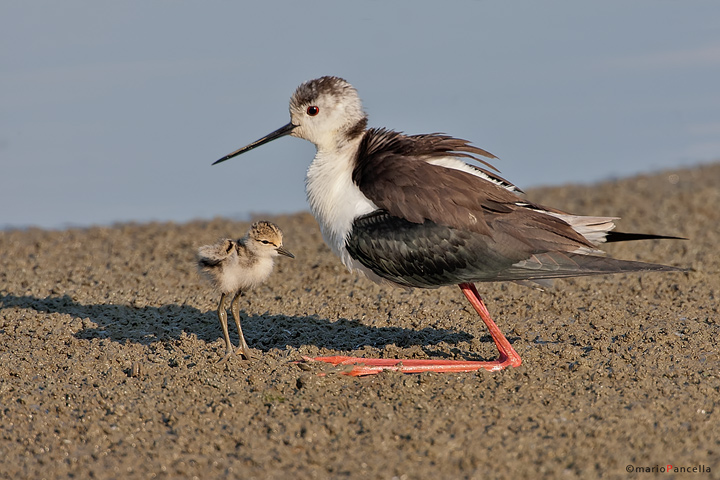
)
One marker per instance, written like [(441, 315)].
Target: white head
[(326, 111)]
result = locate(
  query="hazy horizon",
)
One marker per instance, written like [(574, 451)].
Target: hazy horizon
[(114, 112)]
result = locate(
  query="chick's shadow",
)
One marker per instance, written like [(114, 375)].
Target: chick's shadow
[(146, 325)]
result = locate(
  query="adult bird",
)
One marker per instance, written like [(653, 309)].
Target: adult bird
[(410, 211)]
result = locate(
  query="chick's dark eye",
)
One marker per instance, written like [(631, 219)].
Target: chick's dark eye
[(313, 110)]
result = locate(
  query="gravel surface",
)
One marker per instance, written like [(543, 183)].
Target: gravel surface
[(109, 349)]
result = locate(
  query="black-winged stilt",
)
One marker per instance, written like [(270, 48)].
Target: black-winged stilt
[(410, 211)]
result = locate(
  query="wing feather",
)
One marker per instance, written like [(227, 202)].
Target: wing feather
[(430, 255), (392, 170)]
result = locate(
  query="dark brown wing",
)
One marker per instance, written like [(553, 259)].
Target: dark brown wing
[(392, 170)]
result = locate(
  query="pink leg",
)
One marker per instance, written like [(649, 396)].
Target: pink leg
[(370, 366)]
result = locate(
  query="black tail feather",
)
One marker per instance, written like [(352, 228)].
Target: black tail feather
[(626, 237)]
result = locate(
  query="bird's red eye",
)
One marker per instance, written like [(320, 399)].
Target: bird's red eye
[(313, 110)]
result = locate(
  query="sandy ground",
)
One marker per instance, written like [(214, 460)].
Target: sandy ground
[(619, 371)]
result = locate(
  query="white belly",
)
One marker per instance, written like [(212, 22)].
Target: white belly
[(336, 201)]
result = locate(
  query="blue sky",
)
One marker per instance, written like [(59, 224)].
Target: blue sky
[(114, 111)]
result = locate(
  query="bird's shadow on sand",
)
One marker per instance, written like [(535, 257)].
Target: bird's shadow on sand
[(145, 325)]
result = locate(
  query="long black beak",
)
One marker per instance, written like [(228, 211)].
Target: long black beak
[(280, 132)]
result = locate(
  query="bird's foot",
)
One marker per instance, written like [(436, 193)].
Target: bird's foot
[(228, 354), (357, 367), (244, 353)]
